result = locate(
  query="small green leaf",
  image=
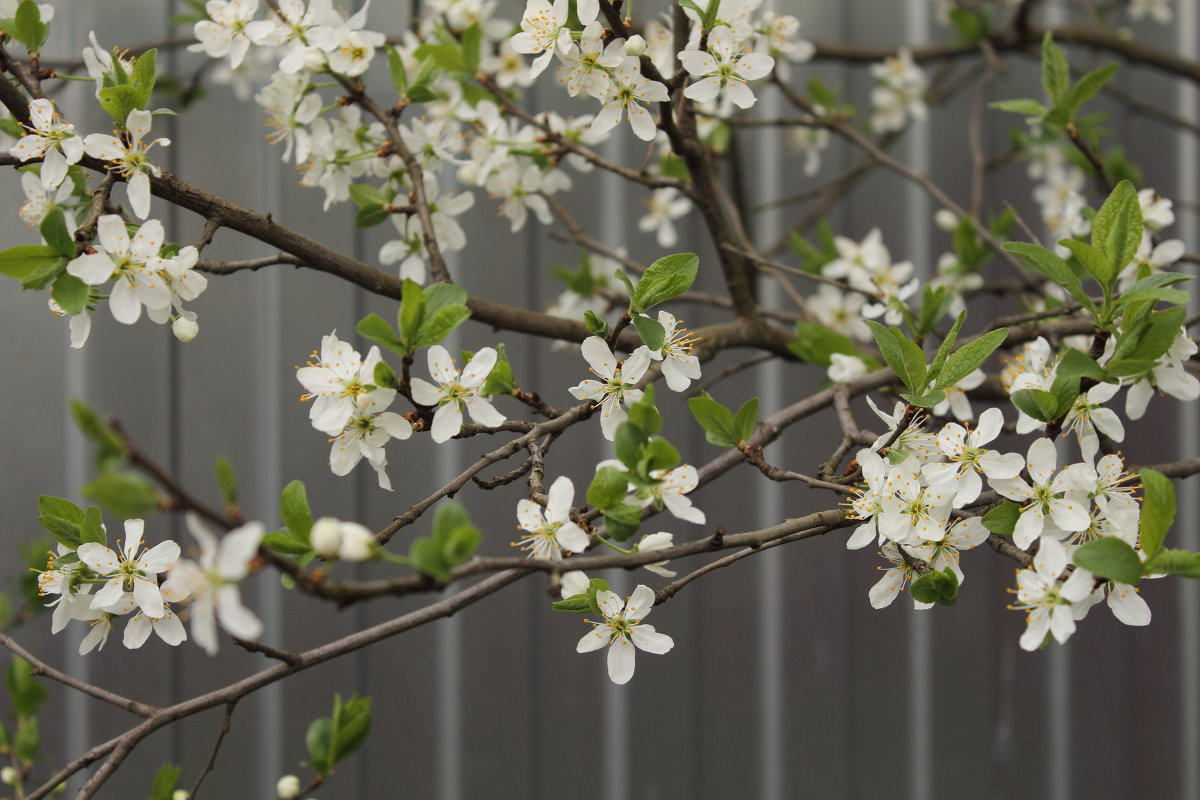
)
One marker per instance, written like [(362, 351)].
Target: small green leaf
[(165, 781), (376, 329), (110, 448), (1174, 562), (746, 419), (1037, 403), (285, 543), (927, 400), (970, 357), (472, 39), (936, 587), (816, 344), (28, 27), (716, 419), (318, 739), (1002, 519), (123, 494), (1158, 511), (351, 724), (623, 521), (608, 488), (1109, 558), (91, 529), (27, 742), (597, 326), (51, 506), (1117, 228), (667, 278), (501, 379), (438, 325), (904, 356), (1024, 106), (70, 293), (1086, 89), (658, 454), (365, 196), (650, 330), (370, 216), (644, 414), (294, 510), (1094, 260), (1052, 267), (54, 231), (577, 604), (385, 376), (1056, 74), (25, 691), (412, 310), (396, 70), (426, 555), (943, 351), (26, 259), (628, 444)]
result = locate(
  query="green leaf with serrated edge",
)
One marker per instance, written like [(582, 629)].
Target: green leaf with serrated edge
[(936, 587), (70, 293), (352, 723), (1002, 519), (145, 73), (317, 739), (25, 691), (472, 38), (120, 101), (650, 330), (370, 216), (816, 344), (577, 604), (1168, 561), (91, 529), (667, 278), (914, 370), (123, 494), (1094, 260), (1023, 105), (64, 531), (596, 585), (1037, 403), (716, 419), (1076, 364), (935, 302), (623, 521), (41, 277), (165, 781), (364, 195), (927, 400), (608, 488), (628, 444), (1109, 558), (443, 295), (1086, 89), (22, 260), (385, 376), (28, 27), (1158, 510), (943, 351), (54, 230), (597, 326), (437, 326), (644, 414), (1149, 339), (623, 278), (746, 419), (294, 510), (396, 70), (49, 505), (376, 329), (285, 543), (500, 381), (892, 354), (1146, 288), (1117, 228), (1052, 267), (412, 310), (1056, 74), (970, 357)]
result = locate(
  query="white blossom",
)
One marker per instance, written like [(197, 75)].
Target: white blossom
[(455, 391), (622, 630), (619, 379), (552, 532)]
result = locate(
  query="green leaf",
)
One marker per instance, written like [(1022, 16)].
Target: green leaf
[(165, 781), (110, 448), (1153, 287), (1002, 519), (91, 529), (650, 330), (443, 295), (746, 419), (285, 543), (658, 454), (904, 356), (501, 379), (119, 101), (1056, 74), (1158, 510), (412, 310), (426, 555), (27, 742), (54, 231), (294, 510), (1117, 229), (1174, 562), (364, 195), (608, 488), (716, 419), (70, 293), (1109, 558), (472, 39), (396, 70), (943, 351), (1037, 403), (26, 693), (376, 329), (623, 521), (144, 75), (123, 494), (816, 344), (1094, 260), (667, 278), (1024, 106), (351, 723), (596, 585), (577, 604), (64, 532), (927, 400), (447, 56), (26, 259), (384, 376), (1052, 267), (628, 444), (936, 587), (437, 326), (28, 27), (51, 506), (1086, 89), (597, 326), (644, 414), (1076, 364), (1147, 340), (318, 739), (370, 216), (970, 357)]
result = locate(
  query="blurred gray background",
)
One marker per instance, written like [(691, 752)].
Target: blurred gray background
[(783, 681)]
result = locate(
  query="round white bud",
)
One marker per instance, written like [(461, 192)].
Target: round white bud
[(9, 776), (573, 583), (358, 543), (180, 794), (635, 46), (326, 537), (946, 219), (288, 787), (185, 329)]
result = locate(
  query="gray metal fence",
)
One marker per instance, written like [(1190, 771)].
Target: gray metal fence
[(783, 683)]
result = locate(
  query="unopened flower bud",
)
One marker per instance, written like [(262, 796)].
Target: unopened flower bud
[(657, 541), (288, 787), (185, 329), (946, 219), (573, 583), (180, 794), (358, 543), (326, 537), (635, 46), (9, 776)]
